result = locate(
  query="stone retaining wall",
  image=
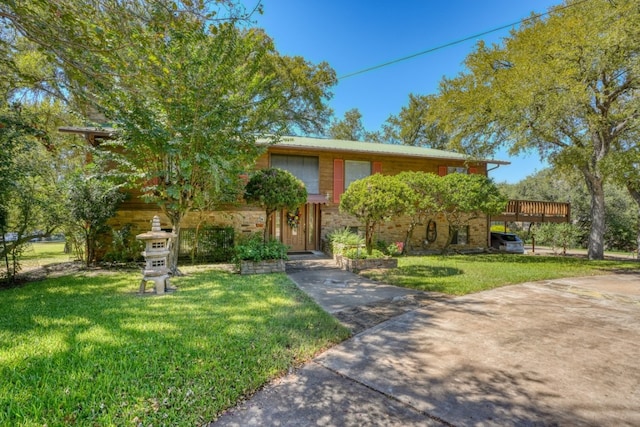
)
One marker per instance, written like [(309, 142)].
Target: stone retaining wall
[(356, 265), (262, 267)]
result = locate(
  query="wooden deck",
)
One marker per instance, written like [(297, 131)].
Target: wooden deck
[(535, 211)]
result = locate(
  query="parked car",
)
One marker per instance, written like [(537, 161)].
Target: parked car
[(507, 242)]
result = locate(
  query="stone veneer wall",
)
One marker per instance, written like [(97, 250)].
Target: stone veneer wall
[(395, 231), (251, 220), (246, 221)]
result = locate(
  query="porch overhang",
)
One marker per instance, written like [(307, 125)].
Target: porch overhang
[(317, 198)]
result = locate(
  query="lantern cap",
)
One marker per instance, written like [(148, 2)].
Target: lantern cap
[(156, 232)]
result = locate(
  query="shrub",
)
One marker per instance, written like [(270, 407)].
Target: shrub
[(253, 248), (361, 253), (209, 243), (124, 246), (342, 239), (389, 249), (274, 189), (557, 236)]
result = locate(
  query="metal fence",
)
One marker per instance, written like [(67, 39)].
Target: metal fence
[(206, 244)]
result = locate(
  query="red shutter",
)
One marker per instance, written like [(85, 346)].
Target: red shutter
[(376, 167), (442, 170), (338, 179), (473, 170)]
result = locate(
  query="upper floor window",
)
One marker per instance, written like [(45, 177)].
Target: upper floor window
[(456, 169), (305, 168), (355, 170)]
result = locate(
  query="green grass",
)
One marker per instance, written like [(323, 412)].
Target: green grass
[(85, 349), (464, 274), (42, 253)]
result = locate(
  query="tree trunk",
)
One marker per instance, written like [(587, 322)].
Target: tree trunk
[(176, 222), (595, 185), (408, 236), (368, 236), (452, 231), (175, 249), (267, 223), (635, 194)]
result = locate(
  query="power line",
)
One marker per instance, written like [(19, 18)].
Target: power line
[(458, 41)]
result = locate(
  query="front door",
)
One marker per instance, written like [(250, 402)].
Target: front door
[(294, 228), (298, 229)]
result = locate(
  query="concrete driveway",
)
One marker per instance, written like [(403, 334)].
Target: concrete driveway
[(563, 352)]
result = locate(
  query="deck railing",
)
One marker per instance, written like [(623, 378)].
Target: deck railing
[(535, 211)]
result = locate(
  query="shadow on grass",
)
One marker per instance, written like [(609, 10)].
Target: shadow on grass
[(110, 356), (421, 277), (427, 271)]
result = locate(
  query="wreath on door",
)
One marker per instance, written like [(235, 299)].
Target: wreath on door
[(293, 218)]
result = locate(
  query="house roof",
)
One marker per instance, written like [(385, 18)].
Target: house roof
[(337, 145), (321, 144)]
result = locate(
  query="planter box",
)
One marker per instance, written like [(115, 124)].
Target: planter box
[(262, 267), (356, 265)]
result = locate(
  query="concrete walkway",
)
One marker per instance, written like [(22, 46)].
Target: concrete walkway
[(562, 352)]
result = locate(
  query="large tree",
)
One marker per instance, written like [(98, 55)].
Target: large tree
[(565, 85), (412, 126), (625, 169), (189, 87), (349, 128)]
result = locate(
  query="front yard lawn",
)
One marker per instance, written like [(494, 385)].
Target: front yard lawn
[(85, 349), (464, 274)]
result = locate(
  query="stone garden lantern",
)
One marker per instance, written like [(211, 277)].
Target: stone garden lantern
[(156, 253)]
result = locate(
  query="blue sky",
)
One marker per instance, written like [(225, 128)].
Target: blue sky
[(352, 35)]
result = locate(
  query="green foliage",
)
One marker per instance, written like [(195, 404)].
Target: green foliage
[(465, 197), (208, 243), (358, 253), (274, 189), (124, 246), (621, 212), (92, 202), (343, 238), (412, 126), (564, 86), (31, 180), (559, 236), (254, 248), (350, 128), (388, 249), (424, 195), (112, 359), (374, 199), (195, 94)]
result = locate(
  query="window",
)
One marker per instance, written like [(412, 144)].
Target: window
[(461, 236), (355, 170), (305, 168), (456, 169)]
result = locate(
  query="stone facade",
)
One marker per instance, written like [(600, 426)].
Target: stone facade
[(396, 229), (248, 219), (244, 220)]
